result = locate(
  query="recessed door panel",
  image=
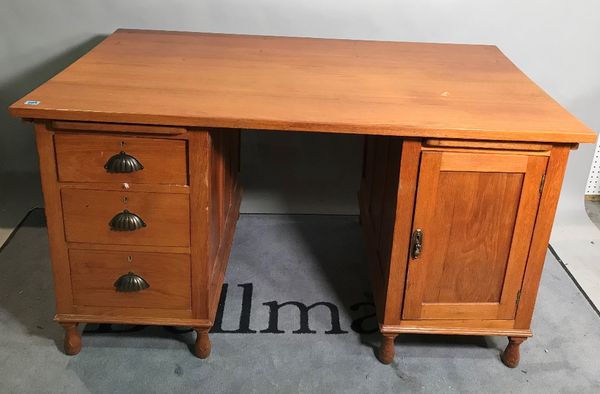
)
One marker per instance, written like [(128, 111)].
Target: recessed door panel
[(476, 213)]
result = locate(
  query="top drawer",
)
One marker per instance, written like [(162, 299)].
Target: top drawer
[(82, 158)]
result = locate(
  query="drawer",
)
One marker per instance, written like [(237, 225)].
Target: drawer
[(95, 273), (82, 158), (88, 213)]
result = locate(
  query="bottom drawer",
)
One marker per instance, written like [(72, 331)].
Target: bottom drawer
[(94, 274)]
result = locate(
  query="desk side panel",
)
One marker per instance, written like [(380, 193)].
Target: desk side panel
[(223, 208), (199, 152), (54, 219), (386, 216), (555, 172), (406, 190)]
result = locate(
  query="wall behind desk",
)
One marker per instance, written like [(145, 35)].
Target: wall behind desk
[(555, 43)]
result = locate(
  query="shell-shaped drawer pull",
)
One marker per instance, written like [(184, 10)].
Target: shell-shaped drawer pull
[(130, 282), (126, 221), (123, 163)]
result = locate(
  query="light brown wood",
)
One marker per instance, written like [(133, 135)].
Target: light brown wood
[(81, 158), (388, 253), (216, 197), (199, 149), (496, 145), (131, 187), (282, 83), (515, 282), (222, 257), (469, 162), (87, 214), (202, 345), (386, 351), (54, 219), (454, 323), (129, 248), (377, 198), (407, 186), (94, 272), (185, 281), (511, 355), (117, 128), (224, 208), (477, 228), (125, 315), (474, 183), (480, 275), (457, 327), (486, 151), (112, 318), (217, 193), (375, 273), (72, 341), (541, 236)]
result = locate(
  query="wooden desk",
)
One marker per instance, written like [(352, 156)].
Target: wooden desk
[(139, 154)]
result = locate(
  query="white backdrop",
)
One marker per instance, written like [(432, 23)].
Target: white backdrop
[(554, 42)]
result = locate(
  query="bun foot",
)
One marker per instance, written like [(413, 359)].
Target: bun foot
[(511, 355), (72, 342), (386, 351), (202, 346)]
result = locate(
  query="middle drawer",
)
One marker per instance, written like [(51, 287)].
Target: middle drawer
[(126, 218)]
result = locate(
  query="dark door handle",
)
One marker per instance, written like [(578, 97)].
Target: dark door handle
[(416, 243)]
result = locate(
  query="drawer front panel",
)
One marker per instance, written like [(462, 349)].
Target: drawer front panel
[(89, 213), (82, 158), (94, 273)]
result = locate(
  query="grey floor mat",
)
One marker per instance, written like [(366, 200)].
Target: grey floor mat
[(278, 259)]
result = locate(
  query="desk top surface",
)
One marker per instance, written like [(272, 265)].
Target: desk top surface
[(304, 84)]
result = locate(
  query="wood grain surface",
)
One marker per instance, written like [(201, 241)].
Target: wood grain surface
[(87, 214), (305, 84), (81, 158), (94, 272), (477, 230)]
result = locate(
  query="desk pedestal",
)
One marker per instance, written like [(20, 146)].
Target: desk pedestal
[(141, 224), (457, 234)]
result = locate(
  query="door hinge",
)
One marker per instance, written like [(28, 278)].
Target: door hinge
[(542, 183), (518, 297)]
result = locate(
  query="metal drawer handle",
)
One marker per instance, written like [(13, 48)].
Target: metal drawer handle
[(131, 282), (123, 163), (126, 221)]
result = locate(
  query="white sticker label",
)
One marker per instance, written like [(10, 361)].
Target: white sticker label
[(32, 102)]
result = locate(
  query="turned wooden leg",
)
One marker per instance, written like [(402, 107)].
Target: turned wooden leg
[(72, 342), (202, 345), (511, 355), (386, 350)]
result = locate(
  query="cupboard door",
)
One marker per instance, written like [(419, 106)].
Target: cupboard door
[(476, 212)]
